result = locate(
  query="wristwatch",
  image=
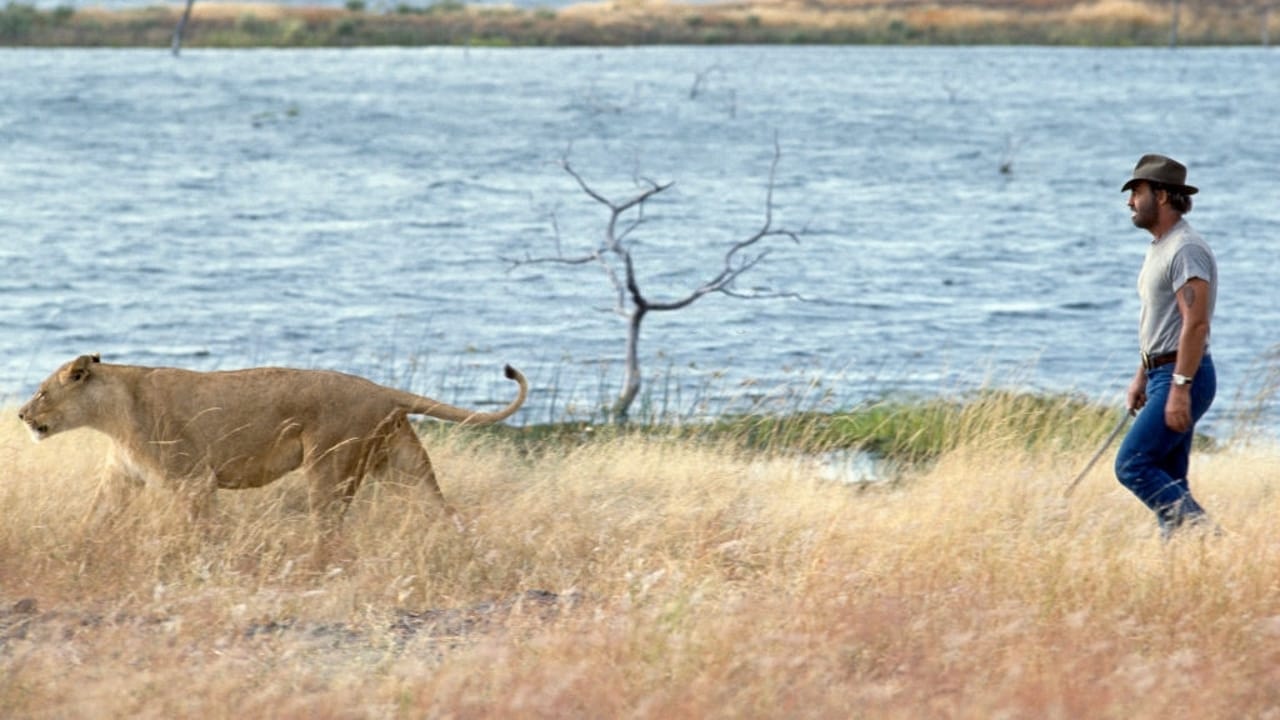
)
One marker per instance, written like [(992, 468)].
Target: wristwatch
[(1181, 379)]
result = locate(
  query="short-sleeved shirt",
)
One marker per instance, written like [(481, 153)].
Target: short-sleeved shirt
[(1171, 261)]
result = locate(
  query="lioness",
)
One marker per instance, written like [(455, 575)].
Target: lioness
[(198, 431)]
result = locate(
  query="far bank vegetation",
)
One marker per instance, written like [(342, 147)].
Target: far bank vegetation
[(641, 22)]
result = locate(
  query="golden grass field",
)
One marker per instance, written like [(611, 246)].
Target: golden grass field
[(647, 578)]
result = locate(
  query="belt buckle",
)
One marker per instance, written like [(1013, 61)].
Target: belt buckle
[(1146, 360)]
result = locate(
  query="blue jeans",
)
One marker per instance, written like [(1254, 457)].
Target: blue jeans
[(1153, 460)]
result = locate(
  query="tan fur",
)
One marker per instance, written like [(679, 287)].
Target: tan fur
[(199, 431)]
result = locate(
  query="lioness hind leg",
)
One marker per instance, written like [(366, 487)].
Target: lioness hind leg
[(333, 476), (408, 462), (328, 497), (329, 494)]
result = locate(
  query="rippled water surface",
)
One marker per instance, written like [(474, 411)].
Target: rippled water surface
[(356, 209)]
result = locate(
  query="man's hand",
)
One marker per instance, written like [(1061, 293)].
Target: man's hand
[(1137, 395), (1177, 409)]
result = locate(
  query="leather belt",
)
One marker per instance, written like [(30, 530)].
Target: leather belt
[(1151, 362)]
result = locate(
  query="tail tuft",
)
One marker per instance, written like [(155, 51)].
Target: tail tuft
[(510, 372)]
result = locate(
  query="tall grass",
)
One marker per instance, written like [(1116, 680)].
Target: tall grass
[(650, 575)]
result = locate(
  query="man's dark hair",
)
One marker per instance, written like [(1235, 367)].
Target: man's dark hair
[(1178, 200)]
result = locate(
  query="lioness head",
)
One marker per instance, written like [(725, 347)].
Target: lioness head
[(62, 401)]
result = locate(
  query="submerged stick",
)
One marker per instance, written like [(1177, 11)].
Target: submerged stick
[(182, 26), (1101, 449)]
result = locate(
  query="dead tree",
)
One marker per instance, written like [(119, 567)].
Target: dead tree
[(613, 254), (701, 77)]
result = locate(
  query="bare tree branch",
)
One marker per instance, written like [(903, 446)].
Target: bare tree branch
[(735, 265), (616, 259)]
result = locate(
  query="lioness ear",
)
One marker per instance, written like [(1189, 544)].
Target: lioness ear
[(96, 357), (79, 369)]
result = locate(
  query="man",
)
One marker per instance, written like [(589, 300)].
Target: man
[(1175, 382)]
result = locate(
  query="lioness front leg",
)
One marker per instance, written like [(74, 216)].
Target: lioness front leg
[(116, 489), (196, 496)]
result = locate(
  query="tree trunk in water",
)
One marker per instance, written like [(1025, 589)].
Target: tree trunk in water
[(631, 378), (182, 25)]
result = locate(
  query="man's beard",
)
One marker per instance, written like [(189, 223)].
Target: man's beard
[(1144, 216)]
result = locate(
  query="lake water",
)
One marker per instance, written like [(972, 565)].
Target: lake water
[(355, 209)]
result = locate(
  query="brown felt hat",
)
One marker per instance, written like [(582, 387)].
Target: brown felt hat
[(1161, 170)]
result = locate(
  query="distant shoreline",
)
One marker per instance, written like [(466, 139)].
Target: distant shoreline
[(649, 22)]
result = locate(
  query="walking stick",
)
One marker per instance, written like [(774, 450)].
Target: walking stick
[(1101, 449)]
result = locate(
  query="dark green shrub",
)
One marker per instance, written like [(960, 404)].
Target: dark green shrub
[(447, 6), (16, 21)]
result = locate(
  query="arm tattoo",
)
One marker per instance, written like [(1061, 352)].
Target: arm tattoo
[(1189, 296)]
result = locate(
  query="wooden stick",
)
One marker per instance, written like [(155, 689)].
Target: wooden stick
[(1101, 449)]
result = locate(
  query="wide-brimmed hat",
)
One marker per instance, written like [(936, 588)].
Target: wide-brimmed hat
[(1162, 170)]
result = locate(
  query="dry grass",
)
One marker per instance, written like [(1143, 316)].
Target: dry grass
[(682, 581), (1110, 21), (622, 22)]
